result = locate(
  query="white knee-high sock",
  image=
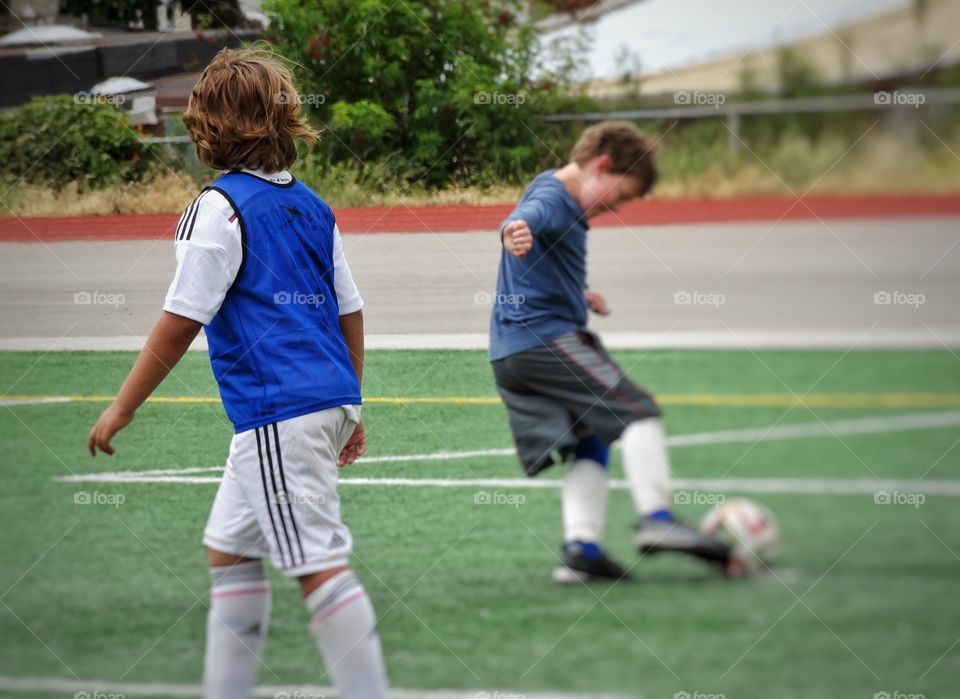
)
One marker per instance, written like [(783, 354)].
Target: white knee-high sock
[(646, 465), (584, 501), (344, 625), (236, 625)]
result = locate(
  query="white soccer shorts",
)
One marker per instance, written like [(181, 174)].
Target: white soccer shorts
[(278, 497)]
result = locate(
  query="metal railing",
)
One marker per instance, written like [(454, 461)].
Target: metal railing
[(733, 111), (690, 106)]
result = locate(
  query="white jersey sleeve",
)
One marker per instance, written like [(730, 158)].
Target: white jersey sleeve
[(348, 296), (209, 251)]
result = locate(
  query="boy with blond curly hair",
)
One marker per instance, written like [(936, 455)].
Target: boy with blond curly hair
[(260, 266)]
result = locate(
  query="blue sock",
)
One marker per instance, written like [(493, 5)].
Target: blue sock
[(660, 516)]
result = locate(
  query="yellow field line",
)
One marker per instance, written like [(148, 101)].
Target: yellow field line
[(742, 400)]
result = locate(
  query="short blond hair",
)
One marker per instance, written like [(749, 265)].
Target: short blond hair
[(631, 152), (245, 112)]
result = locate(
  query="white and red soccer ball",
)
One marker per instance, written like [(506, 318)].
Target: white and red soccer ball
[(751, 529)]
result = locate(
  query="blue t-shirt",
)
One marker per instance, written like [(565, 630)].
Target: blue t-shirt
[(540, 296)]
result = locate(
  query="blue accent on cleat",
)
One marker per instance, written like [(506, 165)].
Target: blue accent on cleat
[(584, 549), (583, 562), (660, 516), (593, 448)]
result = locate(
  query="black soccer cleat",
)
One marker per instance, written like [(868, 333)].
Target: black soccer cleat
[(583, 563), (655, 536)]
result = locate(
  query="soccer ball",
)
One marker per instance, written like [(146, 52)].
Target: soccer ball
[(751, 529)]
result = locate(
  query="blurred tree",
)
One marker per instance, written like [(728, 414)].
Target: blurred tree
[(441, 91)]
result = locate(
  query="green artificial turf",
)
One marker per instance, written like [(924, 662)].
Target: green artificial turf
[(863, 601)]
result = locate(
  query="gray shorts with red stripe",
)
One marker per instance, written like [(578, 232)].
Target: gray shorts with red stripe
[(565, 391)]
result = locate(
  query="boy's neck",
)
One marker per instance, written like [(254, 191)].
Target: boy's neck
[(572, 178)]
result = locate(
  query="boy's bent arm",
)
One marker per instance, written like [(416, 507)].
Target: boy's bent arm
[(168, 341)]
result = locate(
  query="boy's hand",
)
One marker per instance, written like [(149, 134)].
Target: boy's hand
[(596, 303), (355, 447), (517, 238), (111, 421)]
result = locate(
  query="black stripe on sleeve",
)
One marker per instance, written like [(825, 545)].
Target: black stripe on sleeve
[(184, 218), (196, 210)]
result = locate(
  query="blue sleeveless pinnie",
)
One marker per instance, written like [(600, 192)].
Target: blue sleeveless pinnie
[(275, 344)]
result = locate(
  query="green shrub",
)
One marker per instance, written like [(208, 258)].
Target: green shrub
[(57, 140), (438, 92)]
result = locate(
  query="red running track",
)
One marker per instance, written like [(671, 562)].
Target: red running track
[(455, 219)]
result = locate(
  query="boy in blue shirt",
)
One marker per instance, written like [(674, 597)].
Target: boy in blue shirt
[(566, 398), (260, 266)]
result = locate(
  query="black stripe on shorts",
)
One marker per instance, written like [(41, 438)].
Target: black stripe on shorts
[(277, 497), (266, 497), (283, 483)]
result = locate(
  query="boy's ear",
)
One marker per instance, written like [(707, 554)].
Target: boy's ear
[(601, 164)]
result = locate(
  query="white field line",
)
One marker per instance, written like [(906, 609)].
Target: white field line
[(752, 485), (88, 688), (866, 425), (35, 401), (763, 485), (869, 425), (759, 338)]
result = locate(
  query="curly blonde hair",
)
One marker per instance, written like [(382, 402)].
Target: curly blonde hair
[(245, 112)]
